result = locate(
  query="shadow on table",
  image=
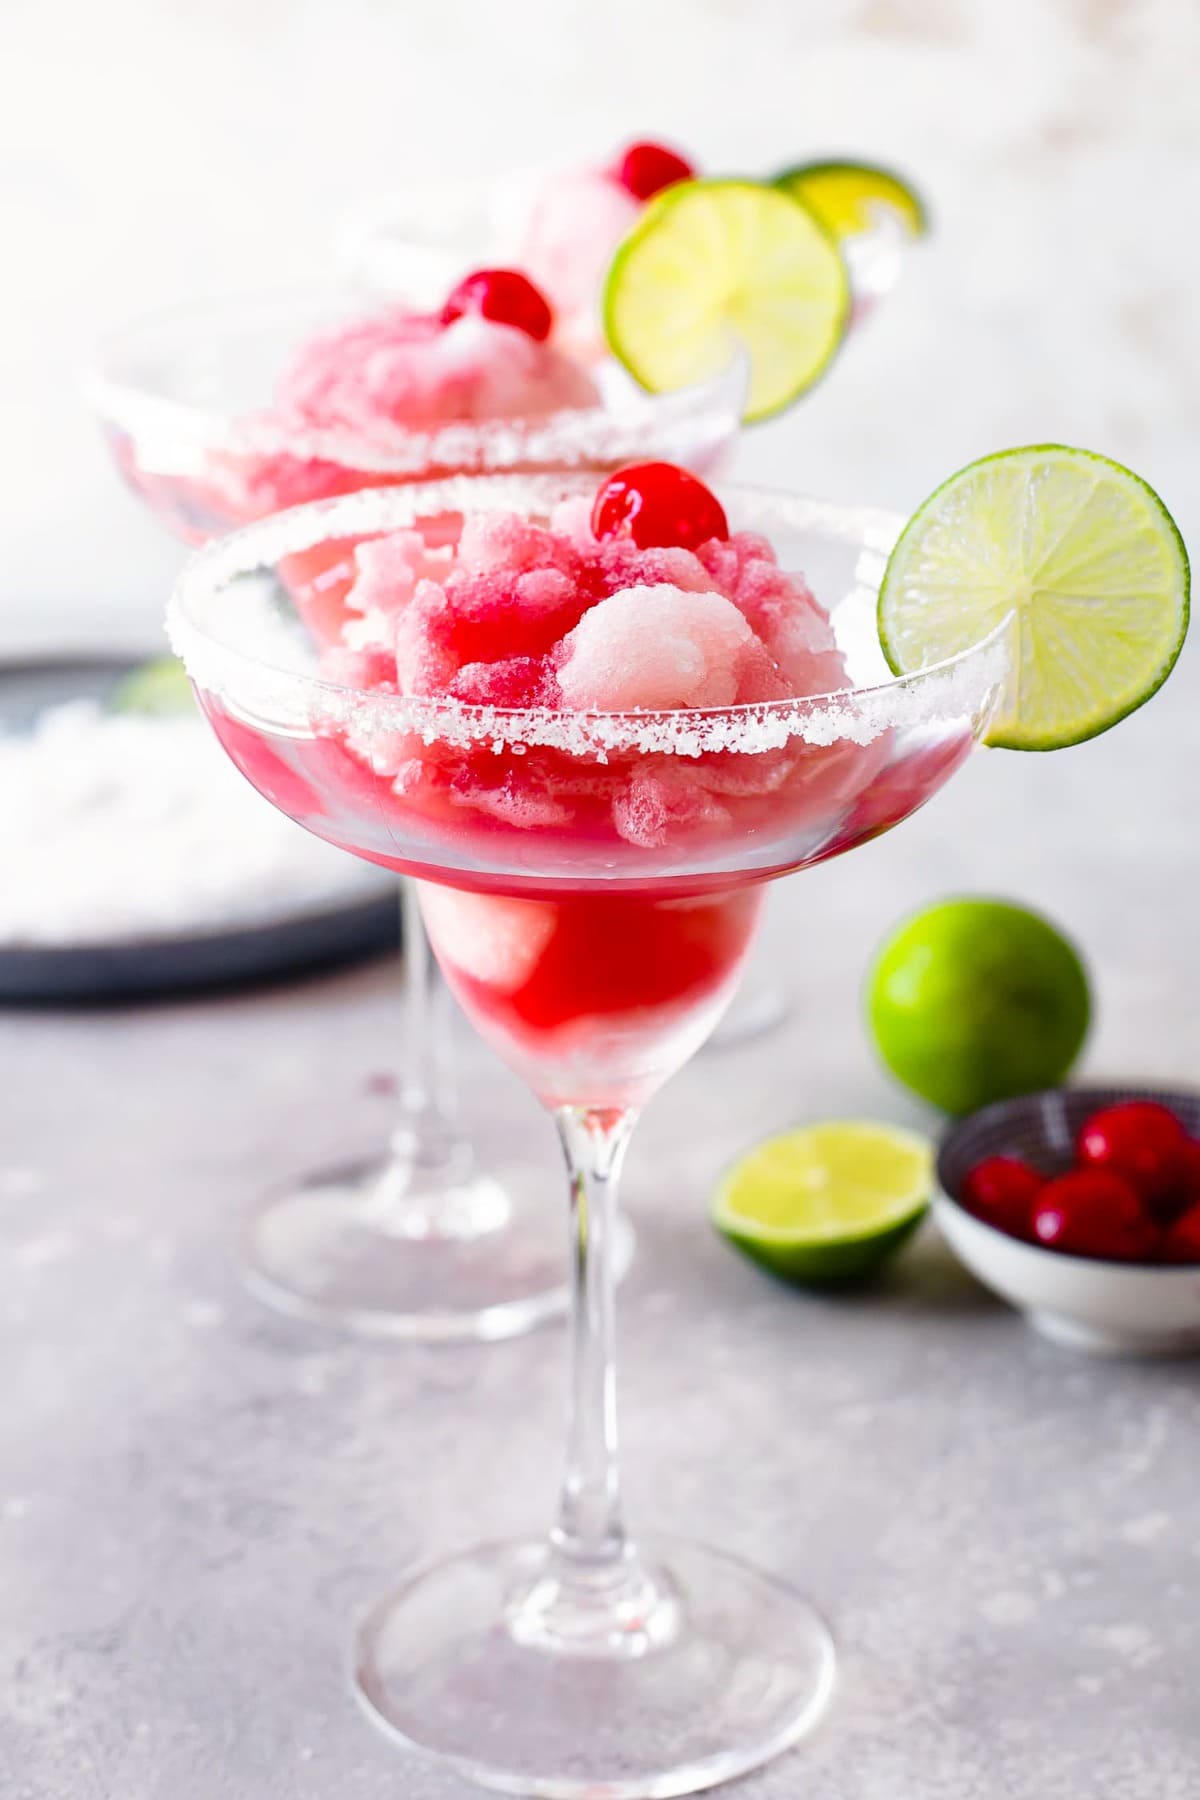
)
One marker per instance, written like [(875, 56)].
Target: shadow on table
[(928, 1278)]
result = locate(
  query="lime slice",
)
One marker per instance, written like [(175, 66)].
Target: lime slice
[(160, 687), (1084, 558), (713, 263), (828, 1203), (848, 197)]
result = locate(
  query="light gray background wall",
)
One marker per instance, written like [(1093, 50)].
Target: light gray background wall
[(150, 151)]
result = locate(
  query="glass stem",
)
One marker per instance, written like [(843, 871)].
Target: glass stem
[(594, 1596), (430, 1187), (427, 1136), (590, 1528)]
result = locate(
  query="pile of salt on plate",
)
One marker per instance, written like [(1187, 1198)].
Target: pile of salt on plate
[(124, 826)]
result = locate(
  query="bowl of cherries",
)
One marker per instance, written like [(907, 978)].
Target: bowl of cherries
[(1081, 1206)]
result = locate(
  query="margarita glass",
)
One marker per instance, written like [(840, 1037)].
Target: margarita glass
[(420, 1242), (592, 912)]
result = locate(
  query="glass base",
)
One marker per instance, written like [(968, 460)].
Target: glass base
[(482, 1261), (725, 1669)]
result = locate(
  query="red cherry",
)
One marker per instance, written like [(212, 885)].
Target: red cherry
[(646, 168), (505, 296), (1138, 1139), (1185, 1190), (1188, 1190), (1001, 1191), (658, 505), (1094, 1212), (1182, 1241)]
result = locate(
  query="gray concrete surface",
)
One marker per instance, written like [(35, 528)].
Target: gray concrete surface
[(196, 1499)]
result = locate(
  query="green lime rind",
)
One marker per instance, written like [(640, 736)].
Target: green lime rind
[(826, 1205), (826, 1265), (888, 186), (1085, 558), (713, 263), (975, 999), (160, 688)]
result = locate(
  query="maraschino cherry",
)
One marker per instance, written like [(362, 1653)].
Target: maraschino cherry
[(658, 505), (1133, 1195), (506, 297), (1187, 1194), (1139, 1140), (1182, 1241), (646, 169), (1001, 1191), (1094, 1212)]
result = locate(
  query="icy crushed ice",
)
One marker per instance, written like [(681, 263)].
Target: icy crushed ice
[(699, 641), (256, 679)]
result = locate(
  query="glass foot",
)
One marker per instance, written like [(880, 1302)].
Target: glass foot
[(725, 1669), (486, 1260)]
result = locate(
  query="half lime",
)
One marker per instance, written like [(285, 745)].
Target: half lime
[(826, 1204)]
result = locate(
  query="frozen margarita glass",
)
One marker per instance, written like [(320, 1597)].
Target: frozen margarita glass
[(591, 717), (574, 716)]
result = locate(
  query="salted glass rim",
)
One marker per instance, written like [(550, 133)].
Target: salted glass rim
[(604, 433), (954, 687)]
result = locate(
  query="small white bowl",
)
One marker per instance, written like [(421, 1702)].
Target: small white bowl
[(1090, 1303), (1123, 1309)]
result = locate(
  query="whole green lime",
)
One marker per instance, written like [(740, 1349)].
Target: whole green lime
[(974, 1000)]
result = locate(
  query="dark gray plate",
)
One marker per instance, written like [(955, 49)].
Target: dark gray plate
[(294, 944)]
